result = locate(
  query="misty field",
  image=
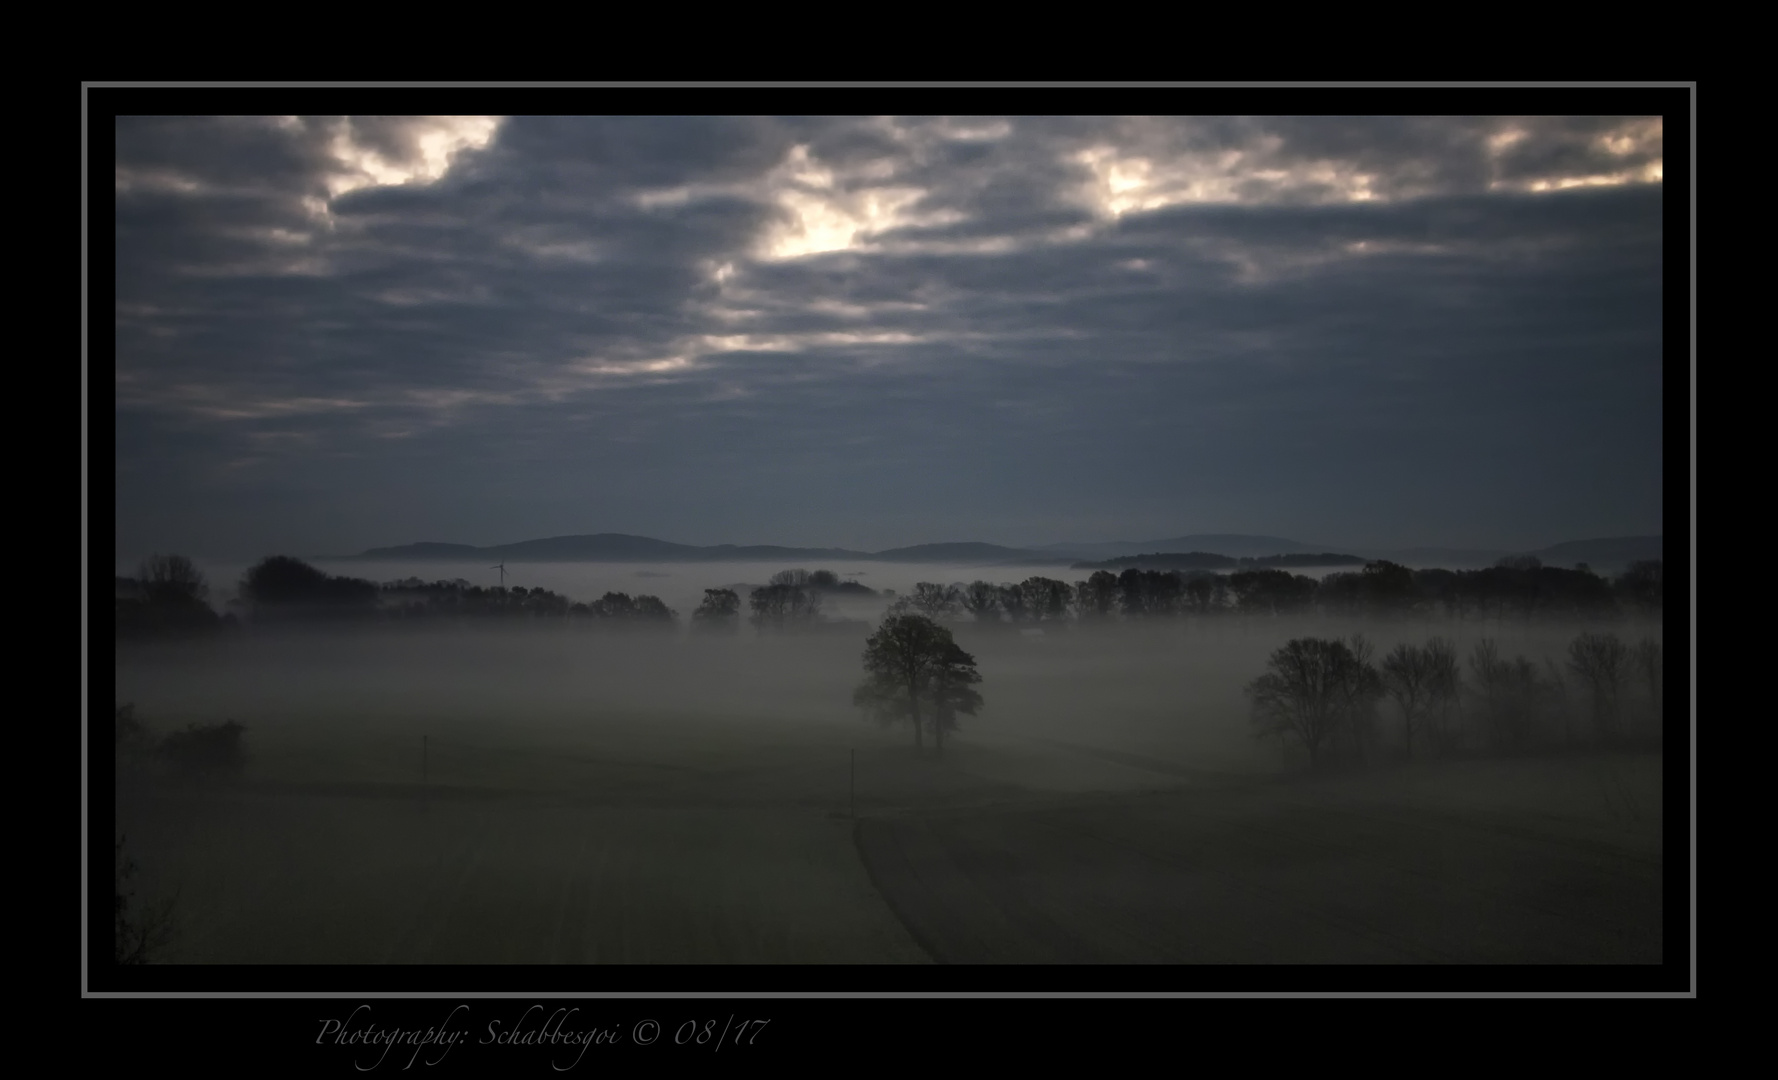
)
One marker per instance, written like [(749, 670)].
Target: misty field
[(540, 797)]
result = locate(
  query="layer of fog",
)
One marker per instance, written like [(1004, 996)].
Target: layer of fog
[(1172, 688)]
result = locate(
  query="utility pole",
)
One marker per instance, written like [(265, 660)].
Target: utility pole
[(852, 786), (425, 791)]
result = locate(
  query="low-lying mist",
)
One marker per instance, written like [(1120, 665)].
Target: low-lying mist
[(586, 791)]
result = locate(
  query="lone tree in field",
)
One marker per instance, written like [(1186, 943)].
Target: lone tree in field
[(1313, 689), (915, 669)]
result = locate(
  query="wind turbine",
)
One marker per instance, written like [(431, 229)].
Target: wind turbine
[(502, 568)]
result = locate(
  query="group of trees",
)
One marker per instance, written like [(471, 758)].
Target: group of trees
[(1325, 694), (1516, 588), (169, 598), (792, 598)]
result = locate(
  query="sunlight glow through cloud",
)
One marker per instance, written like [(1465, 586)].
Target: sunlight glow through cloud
[(1122, 182), (436, 141), (823, 213), (1638, 138)]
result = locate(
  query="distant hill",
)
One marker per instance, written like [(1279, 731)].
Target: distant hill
[(1607, 552), (621, 547), (1610, 553), (422, 551), (1178, 553), (1234, 545), (1191, 560), (1203, 560), (771, 552), (1443, 558), (968, 552)]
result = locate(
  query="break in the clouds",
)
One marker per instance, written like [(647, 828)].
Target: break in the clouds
[(335, 333)]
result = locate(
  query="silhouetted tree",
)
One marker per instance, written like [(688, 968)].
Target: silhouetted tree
[(951, 689), (1012, 603), (1640, 586), (280, 584), (1647, 662), (1312, 689), (1045, 599), (1389, 587), (914, 669), (930, 600), (1097, 598), (1602, 662), (1557, 688), (721, 609), (1272, 592), (1437, 590), (1149, 593), (1488, 680), (1446, 686), (614, 605), (617, 609), (1363, 691), (1198, 592), (651, 610), (1511, 694), (1408, 678), (172, 580), (982, 601), (781, 605), (166, 598)]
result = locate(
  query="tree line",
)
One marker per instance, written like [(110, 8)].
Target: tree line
[(1330, 696), (170, 597), (1514, 588)]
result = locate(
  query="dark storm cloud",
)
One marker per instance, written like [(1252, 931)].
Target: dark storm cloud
[(334, 334)]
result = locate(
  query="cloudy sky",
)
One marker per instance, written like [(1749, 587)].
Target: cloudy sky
[(342, 332)]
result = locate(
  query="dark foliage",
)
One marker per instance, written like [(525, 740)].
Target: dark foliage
[(283, 587), (784, 605), (915, 671), (721, 609), (1314, 691), (167, 598)]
